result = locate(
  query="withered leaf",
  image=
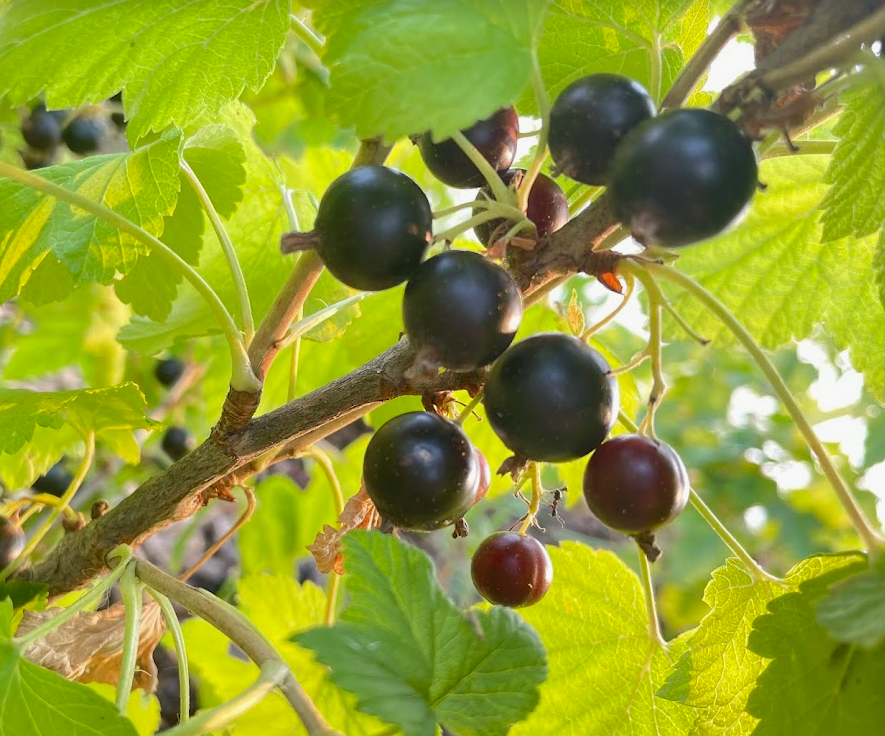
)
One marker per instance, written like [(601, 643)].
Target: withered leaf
[(359, 513)]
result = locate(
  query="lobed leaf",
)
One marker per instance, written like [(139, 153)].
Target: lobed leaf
[(853, 611), (413, 659)]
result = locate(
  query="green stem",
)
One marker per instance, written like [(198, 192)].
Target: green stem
[(294, 358), (131, 592), (332, 598), (57, 510), (307, 35), (543, 101), (85, 601), (587, 196), (227, 247), (654, 624), (534, 473), (654, 72), (173, 625), (492, 213), (628, 292), (242, 377), (870, 537), (469, 409), (218, 718), (737, 549), (234, 624), (806, 148), (498, 187)]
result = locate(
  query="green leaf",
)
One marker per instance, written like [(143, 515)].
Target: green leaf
[(218, 158), (414, 659), (813, 684), (175, 60), (648, 41), (404, 66), (327, 292), (143, 710), (87, 410), (717, 672), (278, 606), (853, 611), (37, 702), (853, 206), (141, 186), (773, 273), (604, 668), (24, 594)]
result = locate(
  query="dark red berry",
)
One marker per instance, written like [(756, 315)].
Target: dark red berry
[(177, 442), (421, 471), (485, 477), (547, 207), (495, 138), (550, 398), (168, 371), (12, 541), (54, 481), (83, 135), (461, 310), (588, 120), (511, 569), (373, 226), (635, 484), (42, 129), (681, 177)]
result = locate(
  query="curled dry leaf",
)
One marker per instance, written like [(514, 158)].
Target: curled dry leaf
[(359, 513), (89, 647)]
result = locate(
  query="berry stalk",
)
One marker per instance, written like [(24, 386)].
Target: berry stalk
[(543, 100), (173, 626), (872, 539), (131, 592), (654, 623)]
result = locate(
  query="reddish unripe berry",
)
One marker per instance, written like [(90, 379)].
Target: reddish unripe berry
[(511, 569)]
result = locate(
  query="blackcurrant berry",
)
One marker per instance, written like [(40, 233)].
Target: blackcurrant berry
[(511, 569), (635, 484), (54, 481), (682, 177), (461, 310), (421, 471), (177, 442), (82, 135), (550, 397), (495, 138), (547, 207), (42, 130), (12, 541), (485, 477), (168, 371), (588, 120), (372, 229)]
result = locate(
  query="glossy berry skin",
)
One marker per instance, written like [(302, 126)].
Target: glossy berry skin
[(588, 120), (510, 569), (549, 398), (82, 135), (168, 371), (547, 207), (12, 541), (54, 481), (495, 138), (421, 471), (42, 130), (485, 477), (461, 310), (177, 442), (635, 484), (682, 177), (374, 225)]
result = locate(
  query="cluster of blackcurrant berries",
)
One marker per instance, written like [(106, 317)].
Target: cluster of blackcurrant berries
[(674, 179), (45, 130), (176, 441)]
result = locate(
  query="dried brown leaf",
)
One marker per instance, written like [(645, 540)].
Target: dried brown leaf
[(89, 647), (359, 513)]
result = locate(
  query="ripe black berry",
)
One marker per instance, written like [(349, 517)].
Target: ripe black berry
[(511, 569), (421, 471), (54, 481), (588, 120), (495, 138), (168, 371), (372, 228), (682, 177), (177, 442), (547, 207), (12, 541), (635, 484), (550, 398), (42, 130), (82, 135), (461, 310)]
